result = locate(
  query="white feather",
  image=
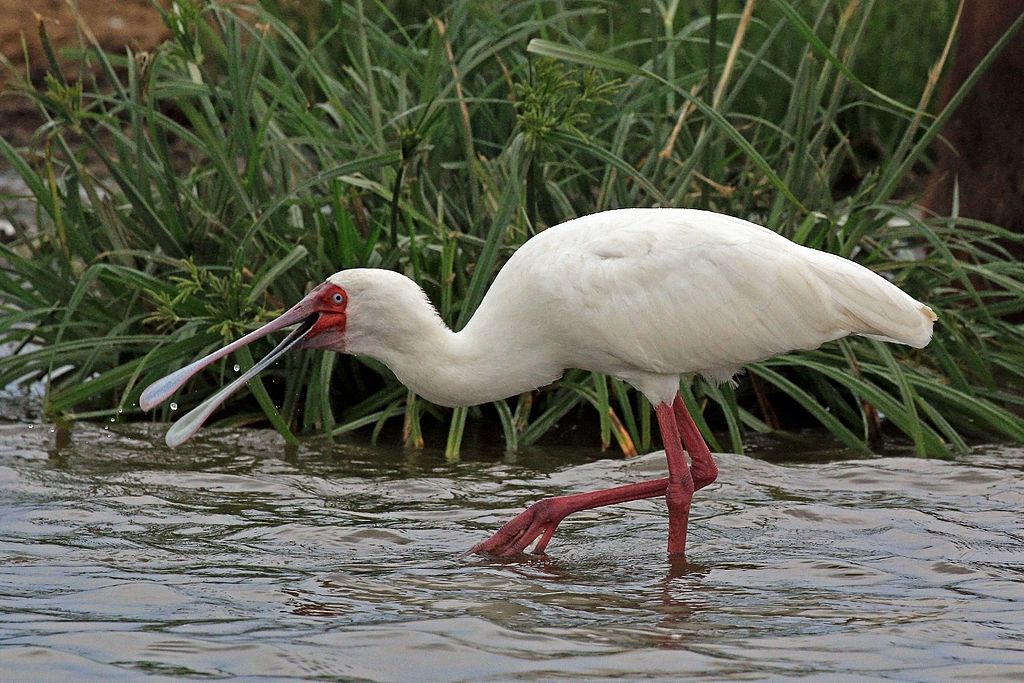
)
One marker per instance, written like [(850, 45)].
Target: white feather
[(642, 294)]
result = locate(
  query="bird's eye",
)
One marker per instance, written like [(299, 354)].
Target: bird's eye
[(338, 298)]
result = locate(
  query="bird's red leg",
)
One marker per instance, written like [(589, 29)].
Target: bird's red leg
[(679, 492), (542, 518), (702, 465)]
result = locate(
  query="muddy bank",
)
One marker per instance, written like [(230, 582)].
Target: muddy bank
[(133, 24)]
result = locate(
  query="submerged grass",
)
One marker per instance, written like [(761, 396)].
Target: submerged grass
[(187, 195)]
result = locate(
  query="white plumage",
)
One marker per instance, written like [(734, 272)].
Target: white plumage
[(646, 295)]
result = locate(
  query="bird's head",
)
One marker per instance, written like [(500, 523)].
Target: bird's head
[(327, 307), (360, 311), (367, 311)]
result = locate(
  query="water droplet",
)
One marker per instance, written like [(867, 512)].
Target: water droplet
[(120, 410), (174, 406), (237, 367), (112, 420)]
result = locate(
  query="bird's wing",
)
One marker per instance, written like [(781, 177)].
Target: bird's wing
[(672, 291)]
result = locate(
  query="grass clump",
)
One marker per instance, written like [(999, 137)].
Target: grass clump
[(187, 195)]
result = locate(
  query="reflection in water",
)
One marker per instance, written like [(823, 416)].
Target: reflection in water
[(682, 599), (237, 557)]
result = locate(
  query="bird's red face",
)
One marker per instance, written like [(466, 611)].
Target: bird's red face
[(330, 302)]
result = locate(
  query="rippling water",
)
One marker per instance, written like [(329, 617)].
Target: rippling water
[(234, 557)]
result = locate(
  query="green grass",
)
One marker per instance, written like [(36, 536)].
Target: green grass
[(187, 195)]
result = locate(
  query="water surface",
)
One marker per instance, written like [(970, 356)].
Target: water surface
[(234, 557)]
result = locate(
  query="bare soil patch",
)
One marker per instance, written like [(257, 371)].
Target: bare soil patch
[(133, 24)]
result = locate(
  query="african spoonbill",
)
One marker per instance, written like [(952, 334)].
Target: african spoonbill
[(646, 295)]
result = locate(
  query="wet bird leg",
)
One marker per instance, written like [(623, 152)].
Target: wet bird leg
[(679, 492), (542, 518), (702, 465)]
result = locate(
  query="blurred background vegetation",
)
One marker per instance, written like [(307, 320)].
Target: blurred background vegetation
[(188, 193)]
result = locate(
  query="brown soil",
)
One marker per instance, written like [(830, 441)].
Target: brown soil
[(133, 24)]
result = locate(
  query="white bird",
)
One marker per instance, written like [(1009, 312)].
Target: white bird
[(645, 295)]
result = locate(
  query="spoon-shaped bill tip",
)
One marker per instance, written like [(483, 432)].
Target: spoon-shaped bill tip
[(160, 390)]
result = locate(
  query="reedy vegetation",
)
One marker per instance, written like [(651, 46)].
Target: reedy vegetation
[(187, 195)]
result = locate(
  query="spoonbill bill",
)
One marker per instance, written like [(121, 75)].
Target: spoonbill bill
[(645, 295)]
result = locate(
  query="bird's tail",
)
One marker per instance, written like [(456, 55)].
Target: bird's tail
[(871, 306)]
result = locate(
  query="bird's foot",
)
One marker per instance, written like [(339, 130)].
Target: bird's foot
[(542, 518), (539, 520)]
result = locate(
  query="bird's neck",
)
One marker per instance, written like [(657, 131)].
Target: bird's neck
[(482, 363)]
